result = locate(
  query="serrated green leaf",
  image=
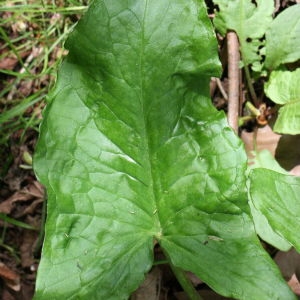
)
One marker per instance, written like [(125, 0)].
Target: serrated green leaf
[(131, 150), (282, 38), (249, 20), (283, 88), (277, 197)]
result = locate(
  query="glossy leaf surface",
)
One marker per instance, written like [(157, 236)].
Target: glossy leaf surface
[(283, 88), (249, 20), (282, 38), (132, 151), (277, 197), (264, 159)]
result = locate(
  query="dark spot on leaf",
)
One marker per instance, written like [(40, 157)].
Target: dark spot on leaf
[(262, 38), (248, 40), (211, 7), (254, 2)]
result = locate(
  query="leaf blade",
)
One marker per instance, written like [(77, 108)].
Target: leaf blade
[(279, 202), (282, 42), (126, 138), (103, 171), (250, 21), (282, 88), (264, 159)]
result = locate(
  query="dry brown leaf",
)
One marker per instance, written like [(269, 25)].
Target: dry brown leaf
[(33, 191), (7, 206), (150, 288), (8, 63), (288, 263), (27, 247), (11, 278), (29, 209), (294, 284), (295, 171)]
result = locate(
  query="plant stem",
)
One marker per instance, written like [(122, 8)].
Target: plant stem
[(185, 283), (255, 111), (160, 262), (234, 80), (250, 85), (243, 120)]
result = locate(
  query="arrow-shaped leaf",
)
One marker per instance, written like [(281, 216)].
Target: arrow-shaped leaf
[(132, 151)]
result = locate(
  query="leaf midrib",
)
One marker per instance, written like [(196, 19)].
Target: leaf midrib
[(152, 186)]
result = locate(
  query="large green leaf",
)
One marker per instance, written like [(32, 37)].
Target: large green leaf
[(276, 196), (249, 20), (283, 88), (131, 150), (282, 38)]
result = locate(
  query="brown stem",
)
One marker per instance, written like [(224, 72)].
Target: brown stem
[(234, 80)]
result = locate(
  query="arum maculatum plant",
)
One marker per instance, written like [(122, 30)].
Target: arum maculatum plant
[(133, 153)]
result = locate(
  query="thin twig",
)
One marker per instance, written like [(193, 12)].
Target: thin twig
[(241, 94), (234, 81), (220, 87), (277, 6)]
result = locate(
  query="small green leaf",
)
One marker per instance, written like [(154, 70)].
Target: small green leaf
[(276, 196), (249, 20), (132, 150), (283, 88), (282, 38)]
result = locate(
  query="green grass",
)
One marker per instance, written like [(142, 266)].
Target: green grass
[(32, 34)]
